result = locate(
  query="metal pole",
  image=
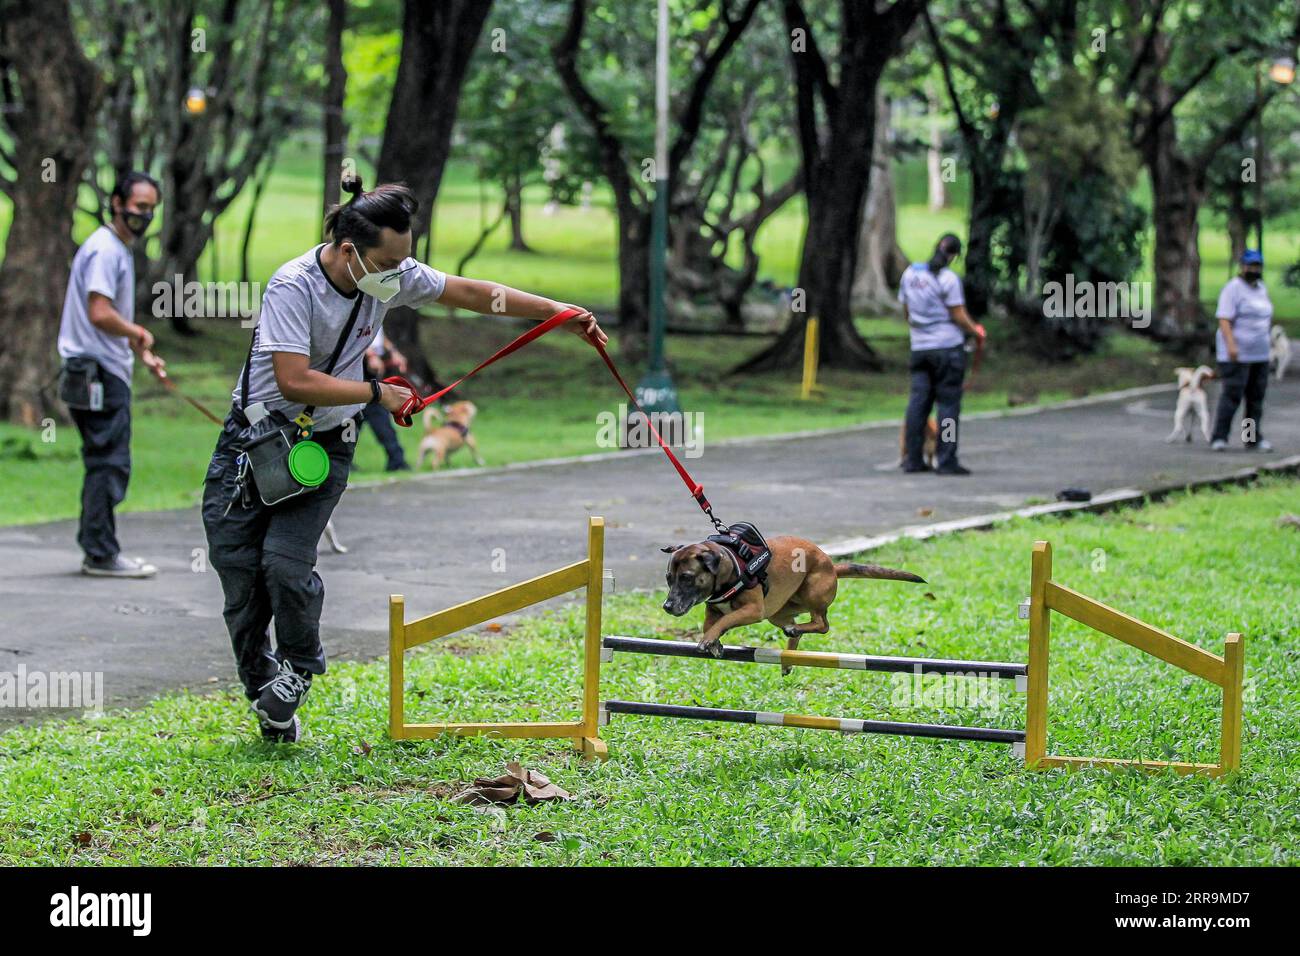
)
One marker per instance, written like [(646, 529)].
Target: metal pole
[(1259, 164), (656, 391)]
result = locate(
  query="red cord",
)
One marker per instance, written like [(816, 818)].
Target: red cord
[(416, 404)]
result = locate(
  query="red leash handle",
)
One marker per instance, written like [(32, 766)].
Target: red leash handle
[(415, 404)]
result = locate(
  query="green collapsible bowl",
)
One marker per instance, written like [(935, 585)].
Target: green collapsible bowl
[(309, 464)]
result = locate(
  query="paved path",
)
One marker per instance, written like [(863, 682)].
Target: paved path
[(435, 539)]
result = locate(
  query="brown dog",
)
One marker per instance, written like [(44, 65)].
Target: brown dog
[(801, 577), (440, 441), (929, 444)]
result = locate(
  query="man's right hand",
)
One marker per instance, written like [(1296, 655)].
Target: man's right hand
[(393, 397), (142, 340), (979, 332)]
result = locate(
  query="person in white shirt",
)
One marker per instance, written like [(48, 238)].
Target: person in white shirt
[(320, 314), (1245, 315), (935, 309), (98, 339)]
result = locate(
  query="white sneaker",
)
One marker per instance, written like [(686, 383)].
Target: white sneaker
[(118, 567), (1263, 445), (1218, 445)]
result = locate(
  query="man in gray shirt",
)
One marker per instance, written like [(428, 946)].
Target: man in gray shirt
[(98, 339)]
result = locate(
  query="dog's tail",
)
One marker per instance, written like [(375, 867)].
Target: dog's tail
[(876, 571)]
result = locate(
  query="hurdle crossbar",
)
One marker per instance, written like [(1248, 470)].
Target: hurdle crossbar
[(842, 724), (775, 655)]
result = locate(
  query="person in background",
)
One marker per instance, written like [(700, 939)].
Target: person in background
[(938, 322), (380, 357), (98, 340), (1241, 346)]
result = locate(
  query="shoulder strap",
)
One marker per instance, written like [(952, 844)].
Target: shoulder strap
[(329, 366)]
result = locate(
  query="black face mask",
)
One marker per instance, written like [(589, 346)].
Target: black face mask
[(1252, 276), (137, 222)]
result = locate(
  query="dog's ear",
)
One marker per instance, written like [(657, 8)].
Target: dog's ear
[(711, 561), (671, 548)]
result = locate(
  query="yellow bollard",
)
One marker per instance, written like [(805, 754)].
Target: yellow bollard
[(811, 342)]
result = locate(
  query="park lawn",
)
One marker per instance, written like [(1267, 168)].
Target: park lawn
[(183, 780), (541, 402)]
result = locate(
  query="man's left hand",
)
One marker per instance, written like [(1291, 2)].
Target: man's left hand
[(585, 325)]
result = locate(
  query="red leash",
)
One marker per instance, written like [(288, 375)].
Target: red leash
[(416, 404)]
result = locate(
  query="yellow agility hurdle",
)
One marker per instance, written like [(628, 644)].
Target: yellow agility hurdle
[(1045, 597), (403, 635)]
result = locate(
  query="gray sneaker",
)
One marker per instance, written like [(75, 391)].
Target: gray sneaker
[(1218, 445), (1263, 445), (117, 567)]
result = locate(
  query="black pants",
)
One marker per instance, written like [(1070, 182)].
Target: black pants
[(936, 379), (106, 454), (266, 559), (381, 421), (1238, 379)]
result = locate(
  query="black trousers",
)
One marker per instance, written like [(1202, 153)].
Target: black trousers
[(937, 376), (106, 454), (266, 559), (1238, 380), (381, 421)]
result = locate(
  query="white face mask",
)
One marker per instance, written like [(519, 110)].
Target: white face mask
[(381, 285)]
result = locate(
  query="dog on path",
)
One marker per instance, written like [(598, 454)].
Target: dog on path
[(441, 440), (1191, 400), (1279, 351), (801, 578)]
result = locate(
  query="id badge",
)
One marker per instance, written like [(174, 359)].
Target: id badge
[(96, 396)]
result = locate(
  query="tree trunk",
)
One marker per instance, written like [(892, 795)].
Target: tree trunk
[(880, 261), (335, 127), (936, 188), (985, 214), (60, 92), (1176, 197), (438, 40), (515, 210), (837, 170), (1239, 221), (1177, 318)]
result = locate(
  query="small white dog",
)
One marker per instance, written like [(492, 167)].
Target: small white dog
[(1279, 351), (1191, 398)]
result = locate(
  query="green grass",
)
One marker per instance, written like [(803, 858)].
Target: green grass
[(181, 781), (528, 407)]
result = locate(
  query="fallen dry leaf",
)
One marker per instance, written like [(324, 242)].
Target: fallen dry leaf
[(363, 749), (925, 512), (535, 787), (494, 627)]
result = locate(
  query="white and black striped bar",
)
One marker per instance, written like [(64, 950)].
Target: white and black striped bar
[(842, 724), (774, 655)]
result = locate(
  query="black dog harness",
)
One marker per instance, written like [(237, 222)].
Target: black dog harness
[(751, 556), (458, 427)]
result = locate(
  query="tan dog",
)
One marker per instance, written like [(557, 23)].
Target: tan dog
[(801, 578), (929, 444), (440, 441)]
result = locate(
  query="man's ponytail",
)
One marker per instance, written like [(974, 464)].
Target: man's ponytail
[(360, 219)]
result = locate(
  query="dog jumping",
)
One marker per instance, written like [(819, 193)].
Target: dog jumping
[(800, 578)]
